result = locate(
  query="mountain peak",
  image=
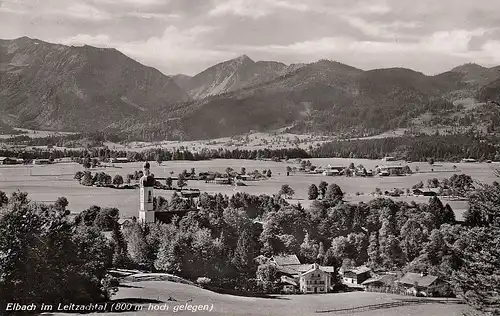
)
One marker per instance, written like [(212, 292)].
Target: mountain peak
[(243, 57), (468, 67)]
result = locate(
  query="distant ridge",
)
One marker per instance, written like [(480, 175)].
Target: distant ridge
[(57, 87)]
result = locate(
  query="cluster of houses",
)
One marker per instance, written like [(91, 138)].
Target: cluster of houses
[(383, 171), (11, 161), (20, 161), (296, 277)]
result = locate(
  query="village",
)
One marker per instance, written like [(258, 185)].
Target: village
[(300, 278)]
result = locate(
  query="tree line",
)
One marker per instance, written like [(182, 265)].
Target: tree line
[(225, 243), (414, 148)]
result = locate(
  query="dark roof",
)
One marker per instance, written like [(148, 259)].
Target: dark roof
[(423, 281), (286, 260), (386, 278)]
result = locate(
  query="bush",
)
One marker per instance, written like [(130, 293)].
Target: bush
[(203, 281)]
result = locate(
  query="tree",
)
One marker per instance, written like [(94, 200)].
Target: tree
[(45, 258), (433, 183), (269, 173), (375, 260), (268, 277), (477, 280), (309, 249), (334, 193), (169, 182), (86, 164), (87, 179), (79, 175), (3, 199), (412, 239), (181, 181), (60, 204), (158, 159), (118, 180), (244, 254), (94, 162), (287, 191), (313, 192), (323, 186), (419, 185)]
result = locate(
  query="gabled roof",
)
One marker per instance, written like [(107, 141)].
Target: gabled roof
[(315, 268), (417, 278), (358, 270), (386, 278), (288, 280), (286, 260)]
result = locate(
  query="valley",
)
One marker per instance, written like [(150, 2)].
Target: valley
[(47, 183)]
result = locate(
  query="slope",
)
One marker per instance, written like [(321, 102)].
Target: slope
[(49, 86), (231, 75), (325, 96)]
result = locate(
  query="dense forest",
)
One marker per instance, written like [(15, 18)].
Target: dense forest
[(422, 147), (415, 148), (224, 244)]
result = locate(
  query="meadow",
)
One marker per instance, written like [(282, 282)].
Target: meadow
[(47, 183), (161, 293)]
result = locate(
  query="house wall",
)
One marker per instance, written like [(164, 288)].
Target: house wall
[(315, 282)]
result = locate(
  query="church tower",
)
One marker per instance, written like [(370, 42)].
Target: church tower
[(146, 210)]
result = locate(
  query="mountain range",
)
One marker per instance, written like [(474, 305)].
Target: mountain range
[(57, 87)]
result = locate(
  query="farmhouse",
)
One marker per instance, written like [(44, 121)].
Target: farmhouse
[(287, 260), (388, 159), (315, 280), (190, 194), (221, 181), (7, 161), (306, 278), (337, 168), (356, 275), (426, 192), (41, 162), (119, 160), (422, 284), (380, 283), (289, 285), (246, 177), (468, 160)]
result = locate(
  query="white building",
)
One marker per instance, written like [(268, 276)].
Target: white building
[(315, 280)]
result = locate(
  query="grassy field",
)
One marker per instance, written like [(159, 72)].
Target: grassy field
[(158, 293), (47, 183)]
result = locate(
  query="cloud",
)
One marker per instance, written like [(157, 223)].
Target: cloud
[(174, 52), (190, 35), (377, 29), (256, 8), (145, 15), (83, 11)]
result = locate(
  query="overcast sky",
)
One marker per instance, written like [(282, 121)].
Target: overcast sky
[(187, 36)]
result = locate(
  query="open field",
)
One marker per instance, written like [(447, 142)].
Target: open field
[(159, 293), (251, 141), (47, 183), (35, 134)]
